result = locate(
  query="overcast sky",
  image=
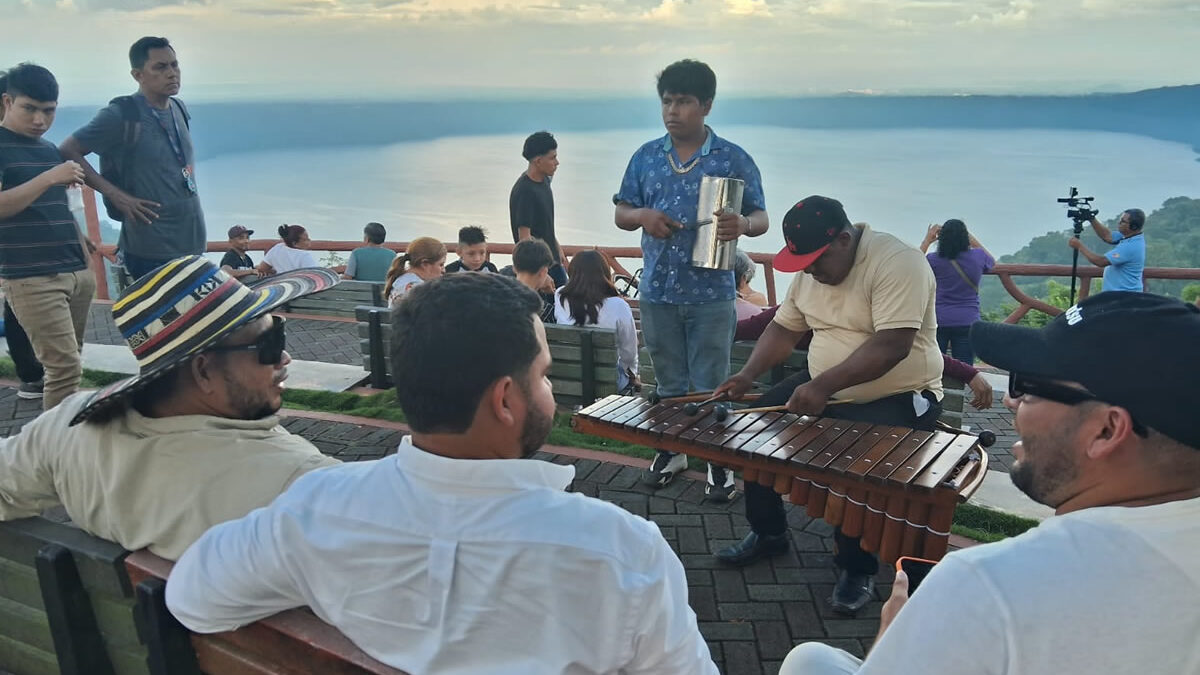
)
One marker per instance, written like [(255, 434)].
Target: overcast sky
[(352, 49)]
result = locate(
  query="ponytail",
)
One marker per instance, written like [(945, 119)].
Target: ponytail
[(398, 268)]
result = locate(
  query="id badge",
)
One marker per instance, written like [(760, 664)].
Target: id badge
[(189, 180)]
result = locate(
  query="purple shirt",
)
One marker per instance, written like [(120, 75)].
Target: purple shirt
[(957, 302)]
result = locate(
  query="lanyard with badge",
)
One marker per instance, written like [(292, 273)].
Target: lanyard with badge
[(189, 178)]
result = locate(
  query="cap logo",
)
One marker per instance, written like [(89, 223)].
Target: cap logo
[(1074, 315)]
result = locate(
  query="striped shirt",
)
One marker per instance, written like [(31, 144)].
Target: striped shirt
[(43, 239)]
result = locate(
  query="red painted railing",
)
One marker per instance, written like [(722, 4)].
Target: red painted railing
[(615, 254)]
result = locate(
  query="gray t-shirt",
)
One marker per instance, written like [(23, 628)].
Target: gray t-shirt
[(155, 173)]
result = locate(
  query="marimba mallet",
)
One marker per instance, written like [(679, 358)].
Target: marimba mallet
[(694, 407), (723, 414)]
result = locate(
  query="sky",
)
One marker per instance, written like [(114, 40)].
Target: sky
[(434, 49)]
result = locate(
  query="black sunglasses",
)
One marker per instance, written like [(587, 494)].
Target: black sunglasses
[(1019, 385), (269, 345)]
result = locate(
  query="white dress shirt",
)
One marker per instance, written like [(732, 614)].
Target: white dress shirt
[(436, 565)]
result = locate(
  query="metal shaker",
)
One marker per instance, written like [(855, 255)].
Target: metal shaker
[(716, 194)]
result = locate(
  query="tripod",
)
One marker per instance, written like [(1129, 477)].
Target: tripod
[(1075, 259)]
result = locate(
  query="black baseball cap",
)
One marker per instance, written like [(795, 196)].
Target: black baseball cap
[(239, 230), (1087, 343), (809, 228)]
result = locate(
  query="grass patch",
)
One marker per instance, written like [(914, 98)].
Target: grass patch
[(385, 406), (91, 379), (987, 525), (970, 521)]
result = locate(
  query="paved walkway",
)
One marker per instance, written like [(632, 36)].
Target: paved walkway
[(751, 617)]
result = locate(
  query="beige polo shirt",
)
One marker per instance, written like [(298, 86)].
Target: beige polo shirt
[(890, 286), (145, 482)]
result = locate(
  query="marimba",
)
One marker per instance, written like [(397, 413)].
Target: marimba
[(894, 487)]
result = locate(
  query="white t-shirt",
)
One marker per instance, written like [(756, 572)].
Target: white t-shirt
[(285, 259), (1113, 590), (404, 283), (614, 313)]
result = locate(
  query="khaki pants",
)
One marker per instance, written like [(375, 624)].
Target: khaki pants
[(53, 309)]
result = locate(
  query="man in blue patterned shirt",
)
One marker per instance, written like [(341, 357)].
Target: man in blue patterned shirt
[(688, 314)]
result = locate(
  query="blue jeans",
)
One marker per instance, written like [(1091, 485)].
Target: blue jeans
[(689, 344), (138, 267), (956, 341)]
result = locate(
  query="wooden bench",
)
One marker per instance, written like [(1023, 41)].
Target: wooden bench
[(341, 300), (66, 603), (584, 367), (288, 643)]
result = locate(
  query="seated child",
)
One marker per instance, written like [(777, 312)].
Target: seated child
[(531, 266), (237, 261), (472, 252), (370, 262)]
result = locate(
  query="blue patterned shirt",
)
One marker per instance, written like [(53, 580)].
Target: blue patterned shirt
[(649, 182)]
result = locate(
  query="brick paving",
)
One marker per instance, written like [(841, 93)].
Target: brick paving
[(750, 617)]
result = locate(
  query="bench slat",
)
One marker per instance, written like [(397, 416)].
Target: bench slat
[(19, 583), (25, 625), (18, 657)]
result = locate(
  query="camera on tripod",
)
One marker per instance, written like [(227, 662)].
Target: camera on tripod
[(1079, 209)]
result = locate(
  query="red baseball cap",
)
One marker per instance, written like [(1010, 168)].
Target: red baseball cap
[(809, 228)]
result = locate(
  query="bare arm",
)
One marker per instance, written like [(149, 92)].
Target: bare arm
[(931, 235), (135, 210), (1102, 231), (524, 233), (73, 150), (975, 244), (1094, 258), (656, 223), (19, 198)]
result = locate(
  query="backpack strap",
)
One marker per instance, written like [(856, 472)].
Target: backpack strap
[(964, 276), (131, 116), (187, 117)]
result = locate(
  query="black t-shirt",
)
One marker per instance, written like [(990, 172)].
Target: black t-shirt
[(41, 239), (235, 261), (531, 204), (547, 313), (457, 266)]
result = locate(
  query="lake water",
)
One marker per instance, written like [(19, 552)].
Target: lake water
[(1001, 183)]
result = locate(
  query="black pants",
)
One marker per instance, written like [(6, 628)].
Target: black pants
[(764, 506), (26, 363)]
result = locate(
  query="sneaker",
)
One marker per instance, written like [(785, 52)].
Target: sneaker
[(664, 467), (720, 487), (30, 390)]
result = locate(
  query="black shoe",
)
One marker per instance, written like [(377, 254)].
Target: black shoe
[(753, 547), (852, 592)]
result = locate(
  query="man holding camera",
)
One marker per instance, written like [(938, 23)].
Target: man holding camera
[(1122, 265)]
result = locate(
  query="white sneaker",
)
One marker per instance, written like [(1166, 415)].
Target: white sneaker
[(664, 467), (30, 390), (720, 487)]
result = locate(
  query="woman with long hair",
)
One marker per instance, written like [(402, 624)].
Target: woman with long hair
[(291, 253), (589, 298), (423, 260), (958, 265)]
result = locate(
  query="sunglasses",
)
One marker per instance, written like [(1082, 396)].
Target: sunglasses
[(1022, 385), (269, 345)]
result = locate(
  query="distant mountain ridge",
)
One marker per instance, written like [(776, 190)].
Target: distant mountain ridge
[(1167, 113)]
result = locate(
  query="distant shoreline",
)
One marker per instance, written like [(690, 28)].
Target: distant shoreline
[(222, 128)]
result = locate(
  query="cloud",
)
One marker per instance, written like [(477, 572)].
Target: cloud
[(1016, 13)]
